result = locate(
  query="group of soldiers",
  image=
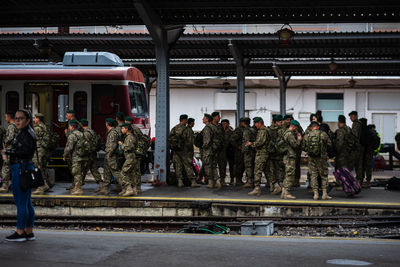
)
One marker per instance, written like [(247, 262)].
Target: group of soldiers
[(124, 147), (274, 151)]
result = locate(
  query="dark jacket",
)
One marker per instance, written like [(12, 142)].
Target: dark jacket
[(23, 146)]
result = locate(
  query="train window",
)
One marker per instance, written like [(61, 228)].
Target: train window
[(103, 96), (137, 98), (62, 107), (80, 104), (12, 102), (32, 102)]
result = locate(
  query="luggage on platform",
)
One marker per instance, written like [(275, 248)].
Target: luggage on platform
[(380, 163), (344, 178), (393, 184)]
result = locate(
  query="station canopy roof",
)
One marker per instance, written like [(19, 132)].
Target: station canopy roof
[(357, 53)]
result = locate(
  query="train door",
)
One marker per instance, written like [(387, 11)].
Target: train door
[(50, 99)]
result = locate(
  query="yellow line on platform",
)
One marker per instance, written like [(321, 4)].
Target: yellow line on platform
[(228, 200)]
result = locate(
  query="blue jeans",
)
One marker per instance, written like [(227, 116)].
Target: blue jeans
[(23, 199)]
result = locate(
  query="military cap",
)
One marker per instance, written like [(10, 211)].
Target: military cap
[(215, 114), (128, 118), (312, 115), (257, 119), (71, 111), (288, 116), (73, 122), (208, 116), (225, 120), (277, 117), (312, 123), (190, 120), (246, 120), (183, 117), (125, 124), (83, 120), (295, 123), (342, 119), (364, 121), (353, 113), (120, 115), (110, 120), (39, 115)]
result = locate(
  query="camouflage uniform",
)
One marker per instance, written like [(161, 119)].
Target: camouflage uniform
[(220, 154), (188, 151), (342, 158), (261, 158), (11, 133), (42, 132), (358, 153), (128, 169), (78, 163), (236, 141), (276, 170), (137, 175), (318, 166), (180, 158), (298, 161), (249, 135), (227, 155), (121, 138), (289, 158), (368, 156), (208, 155), (2, 136), (92, 160), (111, 159)]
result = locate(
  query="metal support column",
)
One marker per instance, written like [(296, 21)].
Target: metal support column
[(164, 37), (283, 81), (241, 64)]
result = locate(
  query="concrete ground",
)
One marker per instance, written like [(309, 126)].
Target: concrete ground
[(56, 248)]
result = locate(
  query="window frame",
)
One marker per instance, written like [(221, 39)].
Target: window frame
[(143, 99), (8, 102)]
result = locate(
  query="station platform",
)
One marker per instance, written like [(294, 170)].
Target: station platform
[(228, 201)]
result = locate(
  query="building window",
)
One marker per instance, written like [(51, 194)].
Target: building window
[(331, 106), (12, 102), (80, 105)]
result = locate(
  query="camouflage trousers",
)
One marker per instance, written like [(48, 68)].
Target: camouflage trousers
[(318, 167), (128, 171), (238, 165), (209, 160), (43, 156), (290, 172), (78, 170), (183, 164), (276, 171), (367, 165), (342, 160), (137, 174), (248, 158), (298, 169), (260, 167), (221, 162), (5, 171), (93, 168), (111, 169), (357, 162)]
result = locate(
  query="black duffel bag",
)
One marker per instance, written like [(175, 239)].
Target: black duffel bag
[(30, 179)]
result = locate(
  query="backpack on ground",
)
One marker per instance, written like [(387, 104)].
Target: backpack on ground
[(198, 140), (344, 178), (143, 144), (380, 163), (82, 148), (313, 148), (393, 184)]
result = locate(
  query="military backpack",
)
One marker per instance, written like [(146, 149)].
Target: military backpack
[(83, 146), (176, 141), (313, 148), (95, 141), (50, 139), (143, 144), (198, 140), (277, 145)]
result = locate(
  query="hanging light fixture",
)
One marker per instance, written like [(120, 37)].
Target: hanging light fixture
[(45, 48), (285, 34), (352, 82), (226, 85), (332, 67)]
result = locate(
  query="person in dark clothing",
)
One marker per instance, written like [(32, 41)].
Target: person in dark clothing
[(20, 154)]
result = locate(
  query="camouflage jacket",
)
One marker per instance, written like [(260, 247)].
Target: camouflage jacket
[(80, 128), (129, 146), (342, 139), (325, 141), (188, 135), (293, 143), (262, 140), (91, 136), (11, 133), (218, 136), (356, 129), (208, 135), (249, 135), (237, 137), (2, 136), (227, 137), (41, 132), (70, 148), (112, 142)]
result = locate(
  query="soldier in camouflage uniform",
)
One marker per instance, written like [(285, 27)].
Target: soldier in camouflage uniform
[(72, 154), (358, 152), (42, 133), (11, 133), (261, 159), (120, 119), (111, 159), (316, 144), (249, 153), (70, 115), (208, 154), (92, 165), (228, 155), (2, 136), (237, 141), (129, 147), (293, 141), (342, 142), (137, 181), (220, 153), (188, 151), (286, 120), (276, 170)]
